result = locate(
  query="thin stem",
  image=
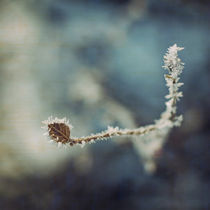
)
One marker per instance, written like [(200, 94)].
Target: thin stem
[(108, 134)]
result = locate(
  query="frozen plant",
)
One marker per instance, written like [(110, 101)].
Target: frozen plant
[(59, 130)]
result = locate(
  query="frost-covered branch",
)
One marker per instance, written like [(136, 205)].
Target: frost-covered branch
[(173, 64), (59, 129)]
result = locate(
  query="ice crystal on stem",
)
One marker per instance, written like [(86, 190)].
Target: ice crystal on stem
[(173, 64), (59, 129)]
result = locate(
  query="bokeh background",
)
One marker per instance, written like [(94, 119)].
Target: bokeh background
[(98, 63)]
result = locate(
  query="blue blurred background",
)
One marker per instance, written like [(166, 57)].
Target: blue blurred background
[(98, 62)]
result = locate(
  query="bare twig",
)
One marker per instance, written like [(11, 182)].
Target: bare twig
[(59, 129)]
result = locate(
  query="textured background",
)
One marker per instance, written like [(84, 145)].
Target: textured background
[(98, 62)]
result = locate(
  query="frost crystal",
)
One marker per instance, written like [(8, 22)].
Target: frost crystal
[(171, 61), (82, 144), (52, 120), (110, 129), (174, 66)]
